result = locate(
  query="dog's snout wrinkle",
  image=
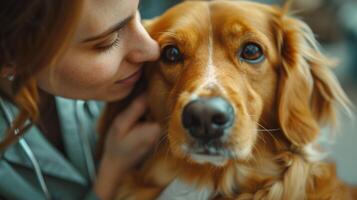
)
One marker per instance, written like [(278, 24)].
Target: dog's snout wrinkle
[(207, 119)]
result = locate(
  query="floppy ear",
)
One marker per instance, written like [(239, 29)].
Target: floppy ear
[(110, 111), (308, 91), (147, 22)]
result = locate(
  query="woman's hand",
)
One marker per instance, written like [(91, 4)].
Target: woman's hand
[(127, 141)]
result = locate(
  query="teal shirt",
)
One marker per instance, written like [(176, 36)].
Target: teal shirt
[(65, 177)]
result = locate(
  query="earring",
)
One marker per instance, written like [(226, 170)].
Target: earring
[(8, 72), (11, 77)]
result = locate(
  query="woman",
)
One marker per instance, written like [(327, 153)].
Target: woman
[(51, 53)]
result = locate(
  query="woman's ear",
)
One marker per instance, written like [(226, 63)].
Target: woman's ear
[(7, 71), (308, 90)]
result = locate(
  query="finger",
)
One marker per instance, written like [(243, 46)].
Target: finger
[(139, 141), (126, 119), (144, 134)]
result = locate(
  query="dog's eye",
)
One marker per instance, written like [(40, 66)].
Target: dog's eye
[(251, 53), (171, 54)]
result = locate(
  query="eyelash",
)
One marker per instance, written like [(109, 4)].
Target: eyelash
[(115, 43), (111, 46)]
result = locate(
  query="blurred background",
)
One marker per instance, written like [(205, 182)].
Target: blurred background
[(335, 24)]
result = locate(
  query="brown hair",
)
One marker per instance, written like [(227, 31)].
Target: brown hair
[(32, 36)]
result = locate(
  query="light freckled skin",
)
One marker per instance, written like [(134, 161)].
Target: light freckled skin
[(84, 71)]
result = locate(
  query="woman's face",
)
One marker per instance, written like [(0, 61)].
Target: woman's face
[(105, 58)]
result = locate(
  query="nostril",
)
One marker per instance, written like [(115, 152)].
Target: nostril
[(188, 117), (195, 121), (190, 120), (220, 119)]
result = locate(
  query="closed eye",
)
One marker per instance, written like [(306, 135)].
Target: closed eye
[(108, 44)]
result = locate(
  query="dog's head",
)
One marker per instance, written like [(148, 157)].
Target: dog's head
[(231, 69)]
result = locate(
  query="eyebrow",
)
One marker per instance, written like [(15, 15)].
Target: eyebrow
[(112, 29)]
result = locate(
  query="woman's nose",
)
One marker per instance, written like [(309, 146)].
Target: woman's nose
[(144, 47)]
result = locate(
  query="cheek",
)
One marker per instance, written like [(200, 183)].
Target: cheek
[(248, 106), (87, 70), (266, 87), (87, 75)]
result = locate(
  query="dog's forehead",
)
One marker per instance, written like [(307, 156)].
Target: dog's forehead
[(202, 16), (189, 15), (240, 15)]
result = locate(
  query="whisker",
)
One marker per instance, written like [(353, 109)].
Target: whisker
[(258, 152), (167, 153), (267, 130), (161, 141), (262, 138)]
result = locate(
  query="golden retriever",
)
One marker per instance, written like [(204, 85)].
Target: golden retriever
[(242, 91)]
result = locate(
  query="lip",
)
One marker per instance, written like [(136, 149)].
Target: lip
[(131, 79)]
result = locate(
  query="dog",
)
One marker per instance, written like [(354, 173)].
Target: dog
[(242, 91)]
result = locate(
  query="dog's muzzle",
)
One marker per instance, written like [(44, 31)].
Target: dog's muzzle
[(208, 119)]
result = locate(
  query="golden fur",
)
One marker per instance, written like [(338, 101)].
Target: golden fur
[(280, 104)]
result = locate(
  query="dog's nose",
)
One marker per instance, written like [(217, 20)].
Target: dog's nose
[(208, 118)]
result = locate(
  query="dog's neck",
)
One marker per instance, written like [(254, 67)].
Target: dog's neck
[(180, 190), (264, 169)]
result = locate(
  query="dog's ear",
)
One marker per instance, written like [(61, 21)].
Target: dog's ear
[(148, 22), (308, 90), (111, 110)]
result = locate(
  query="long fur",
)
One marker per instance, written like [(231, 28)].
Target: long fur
[(281, 104)]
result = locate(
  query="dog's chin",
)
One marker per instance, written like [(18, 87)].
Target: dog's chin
[(207, 154), (215, 160)]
